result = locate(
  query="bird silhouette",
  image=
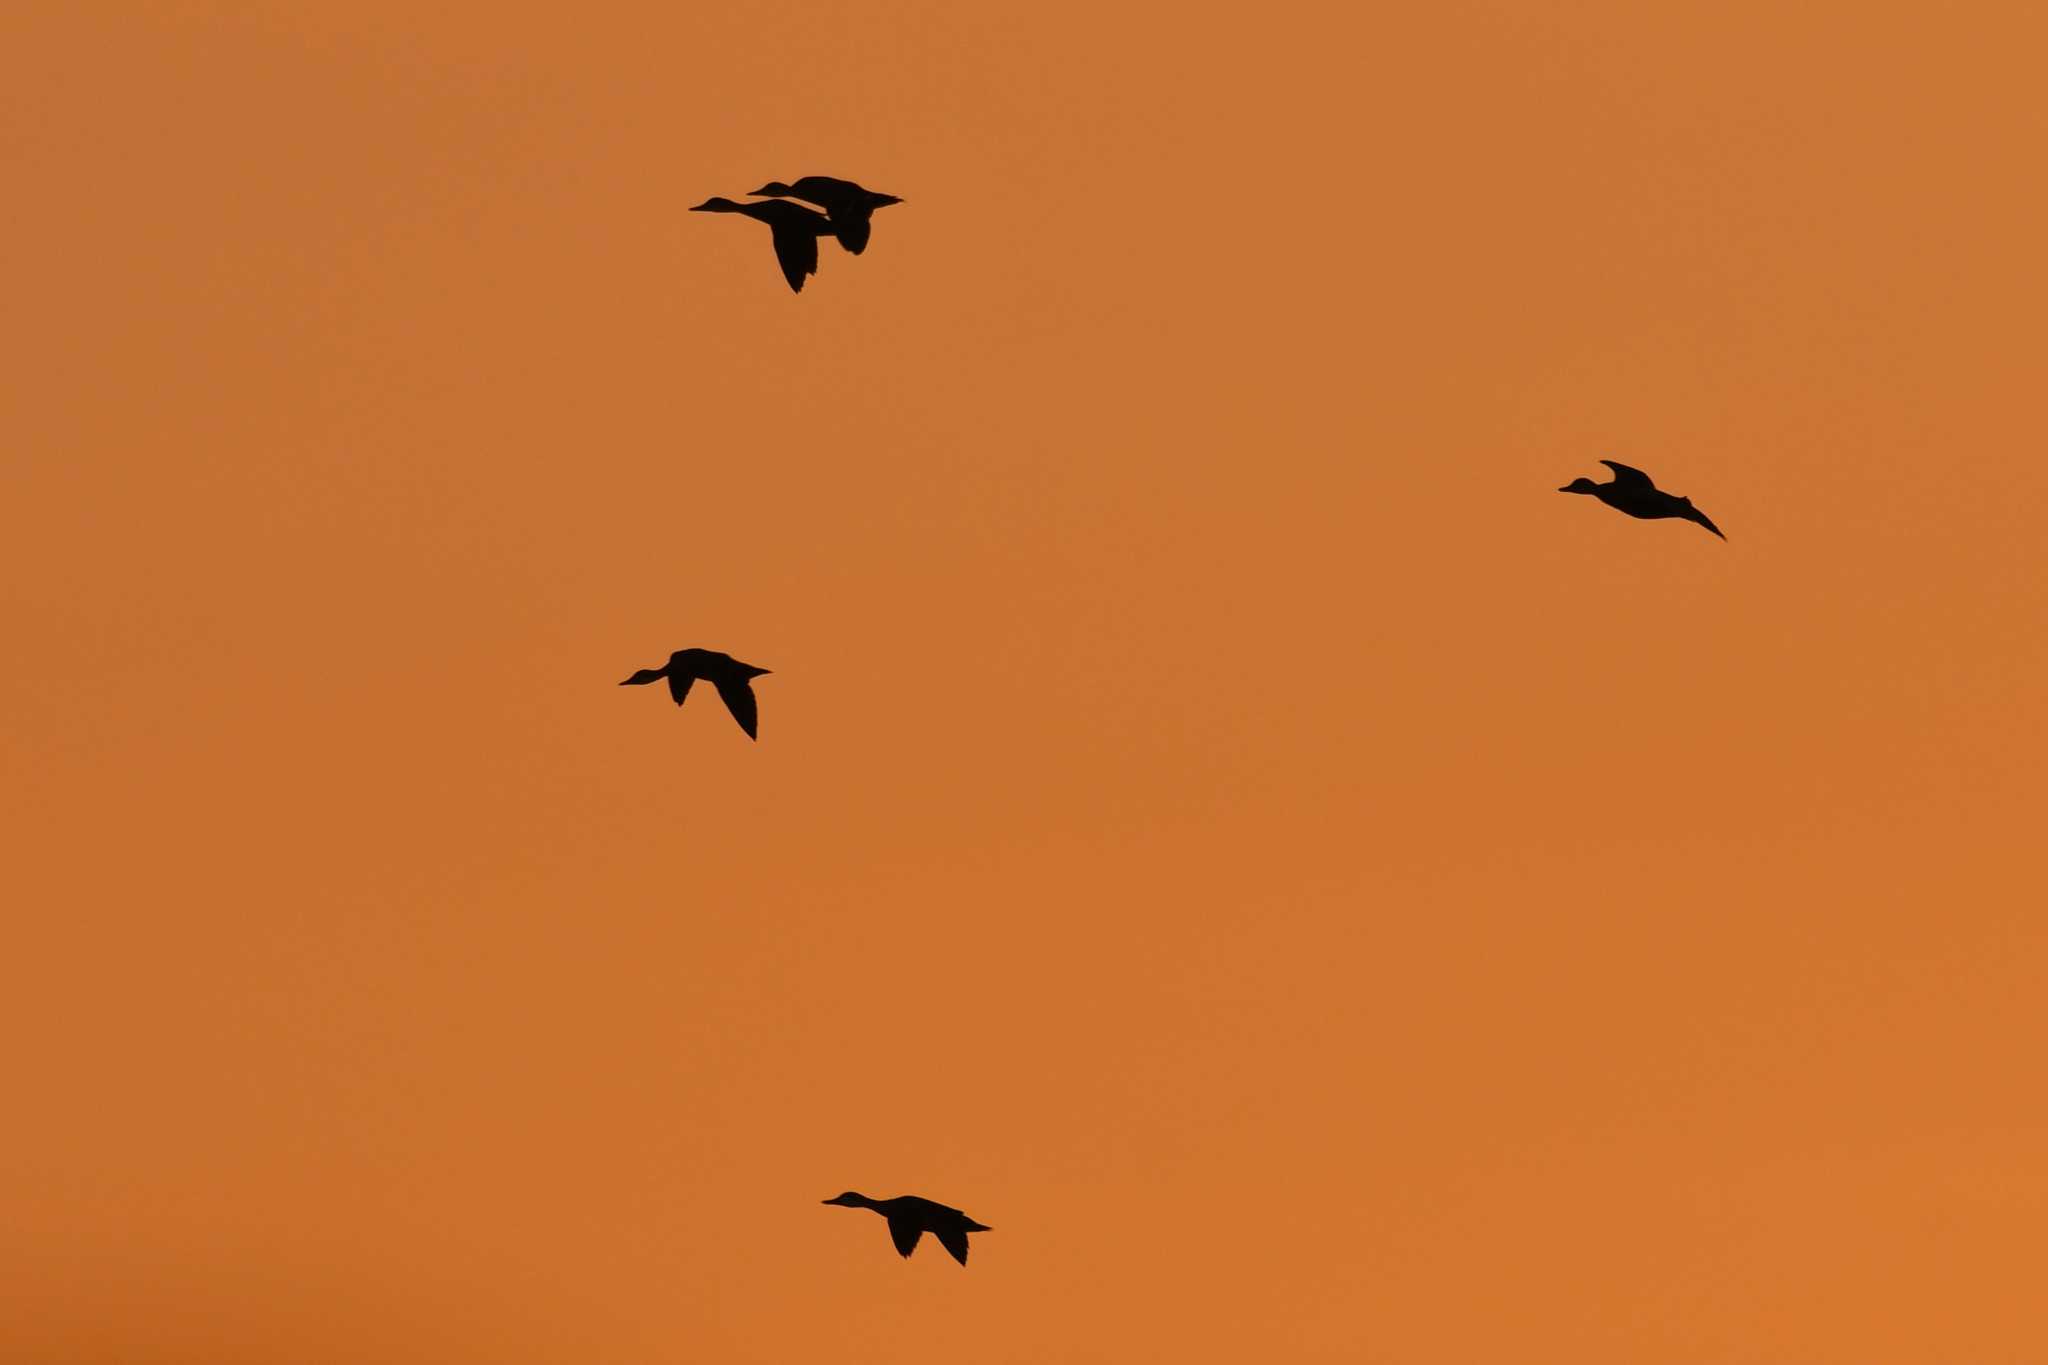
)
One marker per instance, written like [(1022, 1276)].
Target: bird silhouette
[(849, 204), (1632, 492), (733, 679), (796, 230), (911, 1217)]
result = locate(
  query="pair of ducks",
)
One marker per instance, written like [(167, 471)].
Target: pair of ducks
[(1630, 491), (796, 229)]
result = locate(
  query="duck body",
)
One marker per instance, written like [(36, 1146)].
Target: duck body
[(910, 1217), (851, 206), (795, 228), (1633, 492), (733, 679)]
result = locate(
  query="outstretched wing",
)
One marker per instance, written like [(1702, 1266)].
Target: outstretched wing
[(904, 1232), (955, 1241), (679, 686), (851, 226), (1628, 476), (738, 695), (796, 248)]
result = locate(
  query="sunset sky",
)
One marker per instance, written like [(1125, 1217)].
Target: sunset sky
[(1220, 817)]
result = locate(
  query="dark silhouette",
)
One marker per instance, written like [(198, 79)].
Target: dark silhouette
[(911, 1217), (849, 204), (797, 230), (733, 679), (1633, 493)]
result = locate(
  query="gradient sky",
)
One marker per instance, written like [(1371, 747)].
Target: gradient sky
[(1220, 817)]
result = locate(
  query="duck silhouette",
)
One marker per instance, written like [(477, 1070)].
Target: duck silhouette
[(733, 679), (849, 204), (911, 1217), (1632, 492), (796, 230)]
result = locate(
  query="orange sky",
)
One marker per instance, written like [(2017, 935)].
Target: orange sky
[(1220, 818)]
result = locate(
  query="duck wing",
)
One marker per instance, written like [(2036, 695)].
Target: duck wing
[(1628, 476), (955, 1241), (679, 686), (904, 1232), (851, 226), (796, 249), (738, 696)]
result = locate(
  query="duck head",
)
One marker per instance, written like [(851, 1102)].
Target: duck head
[(1580, 486), (774, 189), (715, 204), (881, 201), (645, 675), (849, 1200)]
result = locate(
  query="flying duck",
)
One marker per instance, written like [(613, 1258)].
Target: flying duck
[(1632, 492), (733, 679), (911, 1217), (849, 204), (796, 229)]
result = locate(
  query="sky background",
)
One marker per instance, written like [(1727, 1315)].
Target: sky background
[(1220, 817)]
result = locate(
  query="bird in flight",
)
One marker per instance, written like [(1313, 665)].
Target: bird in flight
[(733, 679), (796, 230), (1632, 492), (849, 205), (911, 1217)]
